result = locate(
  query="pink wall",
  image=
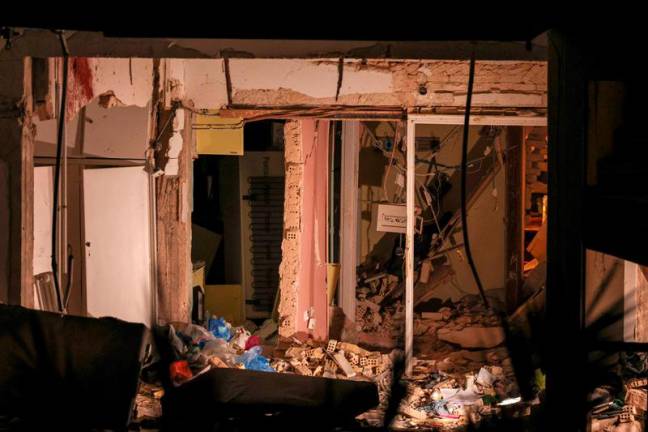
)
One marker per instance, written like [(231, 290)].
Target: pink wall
[(312, 278)]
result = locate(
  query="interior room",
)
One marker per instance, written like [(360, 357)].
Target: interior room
[(339, 234)]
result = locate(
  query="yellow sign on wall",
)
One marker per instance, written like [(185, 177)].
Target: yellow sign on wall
[(218, 136)]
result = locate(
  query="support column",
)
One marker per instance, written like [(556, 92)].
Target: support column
[(409, 247), (16, 182), (349, 217), (173, 219), (514, 164)]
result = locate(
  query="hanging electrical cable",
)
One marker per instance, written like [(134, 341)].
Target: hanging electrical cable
[(57, 172), (464, 173)]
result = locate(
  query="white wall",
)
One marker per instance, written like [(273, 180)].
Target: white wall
[(43, 198), (117, 252), (117, 132)]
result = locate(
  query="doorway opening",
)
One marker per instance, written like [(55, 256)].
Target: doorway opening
[(237, 223)]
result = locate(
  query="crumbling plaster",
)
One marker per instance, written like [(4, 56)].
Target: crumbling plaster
[(120, 81), (291, 244), (383, 83)]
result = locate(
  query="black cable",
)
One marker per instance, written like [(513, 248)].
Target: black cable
[(464, 163), (57, 172)]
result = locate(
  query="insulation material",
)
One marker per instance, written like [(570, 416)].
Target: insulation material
[(175, 144)]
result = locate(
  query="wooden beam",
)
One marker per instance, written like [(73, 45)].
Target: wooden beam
[(17, 168), (173, 219), (476, 120), (514, 162)]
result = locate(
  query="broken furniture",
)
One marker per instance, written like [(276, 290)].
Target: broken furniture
[(67, 372)]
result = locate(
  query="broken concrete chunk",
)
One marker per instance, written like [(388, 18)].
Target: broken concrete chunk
[(351, 348), (300, 368), (473, 337), (294, 352), (315, 353), (434, 316), (344, 364)]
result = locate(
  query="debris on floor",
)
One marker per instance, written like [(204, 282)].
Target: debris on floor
[(198, 349), (380, 314), (148, 409), (462, 372), (342, 360), (622, 408)]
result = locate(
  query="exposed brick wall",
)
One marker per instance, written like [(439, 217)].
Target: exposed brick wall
[(290, 247)]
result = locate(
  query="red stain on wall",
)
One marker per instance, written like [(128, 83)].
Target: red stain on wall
[(83, 75), (80, 84)]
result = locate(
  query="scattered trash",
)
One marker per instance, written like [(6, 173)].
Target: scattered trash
[(252, 359), (180, 372), (220, 328), (252, 341)]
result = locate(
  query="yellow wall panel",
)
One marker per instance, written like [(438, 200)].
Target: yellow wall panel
[(218, 136), (225, 301)]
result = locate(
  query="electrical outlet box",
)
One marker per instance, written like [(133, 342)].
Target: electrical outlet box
[(391, 218)]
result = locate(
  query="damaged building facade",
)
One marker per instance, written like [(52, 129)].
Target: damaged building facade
[(309, 199)]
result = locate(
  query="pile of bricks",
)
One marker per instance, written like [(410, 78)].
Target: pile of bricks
[(343, 360)]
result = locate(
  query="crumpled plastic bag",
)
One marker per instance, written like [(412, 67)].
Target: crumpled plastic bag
[(240, 338), (484, 377), (220, 328), (221, 349), (179, 348), (253, 360), (440, 409), (197, 334), (252, 341), (180, 372)]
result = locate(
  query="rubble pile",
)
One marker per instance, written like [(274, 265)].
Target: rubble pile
[(622, 408), (380, 313), (466, 324), (343, 360), (148, 409), (462, 373), (198, 349), (437, 399)]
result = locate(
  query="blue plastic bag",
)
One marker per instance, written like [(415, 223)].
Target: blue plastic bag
[(220, 328), (253, 360)]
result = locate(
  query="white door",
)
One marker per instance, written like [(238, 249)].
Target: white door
[(117, 248)]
